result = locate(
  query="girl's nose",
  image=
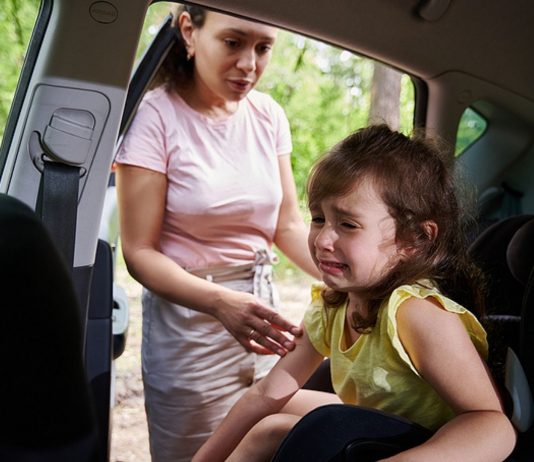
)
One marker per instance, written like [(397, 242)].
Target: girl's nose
[(325, 239), (247, 60)]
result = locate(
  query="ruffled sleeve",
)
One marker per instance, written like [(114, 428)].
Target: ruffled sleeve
[(316, 322), (403, 293)]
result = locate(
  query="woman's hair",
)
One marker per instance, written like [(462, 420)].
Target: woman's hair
[(416, 183), (176, 69)]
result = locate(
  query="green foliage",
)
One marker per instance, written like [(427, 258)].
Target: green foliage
[(325, 92), (17, 18)]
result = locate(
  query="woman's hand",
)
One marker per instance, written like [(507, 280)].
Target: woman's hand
[(255, 325)]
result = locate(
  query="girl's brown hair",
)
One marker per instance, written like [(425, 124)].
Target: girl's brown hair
[(176, 69), (416, 183)]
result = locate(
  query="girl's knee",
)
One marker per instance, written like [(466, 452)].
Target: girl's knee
[(262, 441), (274, 427)]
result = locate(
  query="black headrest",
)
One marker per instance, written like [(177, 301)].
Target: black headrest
[(44, 396), (492, 243), (489, 251), (520, 252)]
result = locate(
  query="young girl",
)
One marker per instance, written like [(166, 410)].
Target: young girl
[(387, 237)]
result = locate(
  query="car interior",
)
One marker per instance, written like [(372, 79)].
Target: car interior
[(470, 64)]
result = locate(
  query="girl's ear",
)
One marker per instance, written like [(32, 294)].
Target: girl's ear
[(430, 231)]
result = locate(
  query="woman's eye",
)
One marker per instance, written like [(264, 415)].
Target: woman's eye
[(349, 225), (262, 49), (317, 220), (231, 43)]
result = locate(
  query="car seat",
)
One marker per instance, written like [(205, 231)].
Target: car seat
[(519, 377), (504, 292), (47, 413)]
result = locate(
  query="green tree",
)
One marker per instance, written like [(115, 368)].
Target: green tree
[(326, 93), (17, 18)]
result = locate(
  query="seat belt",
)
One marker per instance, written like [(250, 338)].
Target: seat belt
[(57, 205), (59, 153)]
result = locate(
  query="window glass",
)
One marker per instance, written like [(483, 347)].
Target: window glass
[(472, 126), (17, 19), (325, 91)]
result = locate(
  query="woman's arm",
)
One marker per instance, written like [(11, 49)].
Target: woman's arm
[(441, 350), (291, 232), (266, 397), (142, 195)]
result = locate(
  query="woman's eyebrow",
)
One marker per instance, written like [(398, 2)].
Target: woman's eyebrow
[(244, 33)]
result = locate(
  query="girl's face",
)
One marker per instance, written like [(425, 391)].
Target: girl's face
[(230, 54), (352, 239)]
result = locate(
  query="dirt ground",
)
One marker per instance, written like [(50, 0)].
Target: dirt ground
[(129, 441)]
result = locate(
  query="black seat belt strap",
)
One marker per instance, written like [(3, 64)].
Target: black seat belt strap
[(58, 205)]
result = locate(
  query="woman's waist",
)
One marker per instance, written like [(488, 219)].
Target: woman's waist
[(198, 256), (262, 261)]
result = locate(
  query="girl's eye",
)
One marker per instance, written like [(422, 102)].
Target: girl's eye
[(317, 220), (349, 225)]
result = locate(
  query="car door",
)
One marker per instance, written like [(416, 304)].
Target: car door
[(57, 151)]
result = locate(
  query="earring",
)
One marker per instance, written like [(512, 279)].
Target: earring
[(188, 56)]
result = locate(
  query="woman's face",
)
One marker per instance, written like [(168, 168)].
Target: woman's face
[(230, 54)]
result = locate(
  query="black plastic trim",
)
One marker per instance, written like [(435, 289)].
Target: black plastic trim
[(421, 103), (147, 68)]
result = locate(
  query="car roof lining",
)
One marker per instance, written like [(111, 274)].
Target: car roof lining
[(419, 47)]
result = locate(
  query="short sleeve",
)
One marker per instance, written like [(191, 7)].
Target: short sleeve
[(284, 144), (144, 145), (273, 115), (316, 322), (472, 325)]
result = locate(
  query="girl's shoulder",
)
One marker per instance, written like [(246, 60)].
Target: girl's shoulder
[(423, 291), (320, 321), (316, 291)]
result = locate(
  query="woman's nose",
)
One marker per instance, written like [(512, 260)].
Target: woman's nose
[(247, 60)]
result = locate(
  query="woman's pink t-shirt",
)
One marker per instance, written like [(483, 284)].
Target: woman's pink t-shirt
[(224, 191)]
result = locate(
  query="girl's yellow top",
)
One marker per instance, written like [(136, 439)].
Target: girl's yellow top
[(376, 370)]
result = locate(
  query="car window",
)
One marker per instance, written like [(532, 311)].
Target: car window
[(471, 127), (326, 92)]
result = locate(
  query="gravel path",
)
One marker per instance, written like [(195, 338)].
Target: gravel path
[(129, 441)]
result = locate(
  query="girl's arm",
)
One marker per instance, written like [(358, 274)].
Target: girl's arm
[(142, 195), (291, 232), (266, 397), (441, 350)]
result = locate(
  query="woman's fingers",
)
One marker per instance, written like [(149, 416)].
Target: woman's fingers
[(267, 331), (261, 344), (255, 325)]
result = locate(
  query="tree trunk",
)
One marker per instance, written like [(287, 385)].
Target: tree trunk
[(385, 96)]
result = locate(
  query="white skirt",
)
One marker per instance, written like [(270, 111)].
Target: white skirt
[(194, 370)]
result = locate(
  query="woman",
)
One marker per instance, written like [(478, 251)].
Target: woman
[(205, 188)]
